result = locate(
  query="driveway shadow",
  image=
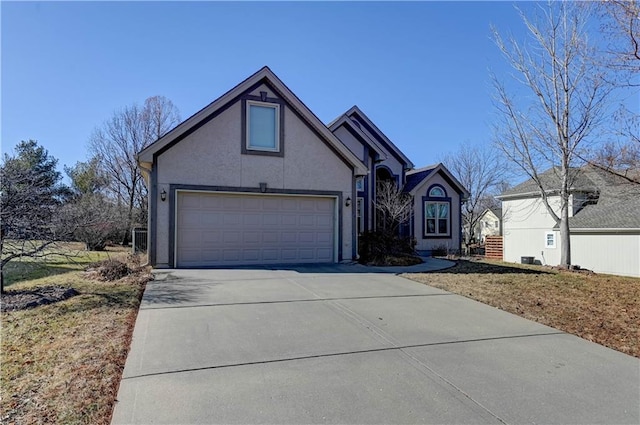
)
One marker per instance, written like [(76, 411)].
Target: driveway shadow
[(468, 267)]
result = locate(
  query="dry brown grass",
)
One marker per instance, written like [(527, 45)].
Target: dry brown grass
[(601, 308), (62, 363)]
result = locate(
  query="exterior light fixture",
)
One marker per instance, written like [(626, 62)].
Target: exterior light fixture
[(163, 195), (347, 201)]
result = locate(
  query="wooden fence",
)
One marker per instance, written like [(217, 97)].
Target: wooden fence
[(493, 247)]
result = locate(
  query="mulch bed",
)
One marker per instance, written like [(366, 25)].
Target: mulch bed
[(25, 299)]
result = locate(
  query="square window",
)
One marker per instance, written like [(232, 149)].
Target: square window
[(263, 126), (360, 184), (550, 240)]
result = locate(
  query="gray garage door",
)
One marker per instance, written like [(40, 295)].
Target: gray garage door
[(238, 229)]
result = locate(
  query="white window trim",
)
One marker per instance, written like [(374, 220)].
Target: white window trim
[(437, 232), (275, 106), (546, 239)]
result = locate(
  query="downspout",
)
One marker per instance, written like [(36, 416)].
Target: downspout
[(460, 225), (146, 172)]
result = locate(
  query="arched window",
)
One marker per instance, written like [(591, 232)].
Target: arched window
[(437, 213), (437, 192)]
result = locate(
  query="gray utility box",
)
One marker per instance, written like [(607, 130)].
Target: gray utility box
[(526, 260)]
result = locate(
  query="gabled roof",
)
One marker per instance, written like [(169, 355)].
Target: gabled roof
[(354, 127), (495, 211), (579, 181), (360, 116), (615, 203), (416, 177), (264, 75)]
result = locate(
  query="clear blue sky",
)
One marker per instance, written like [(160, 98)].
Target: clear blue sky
[(418, 69)]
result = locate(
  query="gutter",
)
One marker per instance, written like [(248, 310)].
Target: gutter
[(619, 230)]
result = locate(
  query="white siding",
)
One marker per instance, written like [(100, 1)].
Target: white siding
[(526, 221), (488, 225), (607, 253)]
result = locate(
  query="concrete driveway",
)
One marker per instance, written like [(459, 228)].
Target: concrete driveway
[(314, 345)]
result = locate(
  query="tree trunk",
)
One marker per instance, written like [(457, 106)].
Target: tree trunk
[(565, 233)]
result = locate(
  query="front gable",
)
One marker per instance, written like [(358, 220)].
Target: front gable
[(437, 200), (262, 87), (255, 147)]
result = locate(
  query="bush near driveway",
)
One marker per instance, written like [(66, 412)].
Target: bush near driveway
[(601, 308), (62, 362)]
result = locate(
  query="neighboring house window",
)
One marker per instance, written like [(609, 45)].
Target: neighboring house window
[(359, 217), (549, 240), (437, 213), (263, 126), (360, 184), (495, 224)]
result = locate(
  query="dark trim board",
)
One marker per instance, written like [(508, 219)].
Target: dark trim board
[(153, 212), (426, 199), (173, 200), (281, 100), (243, 119), (380, 140)]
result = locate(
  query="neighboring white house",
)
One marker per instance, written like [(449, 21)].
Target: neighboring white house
[(604, 221), (489, 224)]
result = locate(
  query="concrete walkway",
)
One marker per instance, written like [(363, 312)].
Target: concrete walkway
[(298, 345)]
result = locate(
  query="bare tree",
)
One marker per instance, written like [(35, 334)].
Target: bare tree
[(621, 26), (481, 171), (394, 206), (30, 193), (118, 141), (621, 29), (569, 94)]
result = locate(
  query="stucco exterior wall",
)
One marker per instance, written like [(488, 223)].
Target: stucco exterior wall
[(211, 156), (350, 141), (431, 243)]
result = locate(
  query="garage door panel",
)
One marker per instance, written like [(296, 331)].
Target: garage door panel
[(209, 203), (231, 237), (210, 218), (324, 254), (270, 220), (211, 236), (250, 255), (254, 204), (271, 204), (252, 219), (252, 238), (289, 220), (230, 229), (231, 204), (289, 205), (324, 238)]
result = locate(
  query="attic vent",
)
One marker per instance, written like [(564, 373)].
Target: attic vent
[(356, 123)]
